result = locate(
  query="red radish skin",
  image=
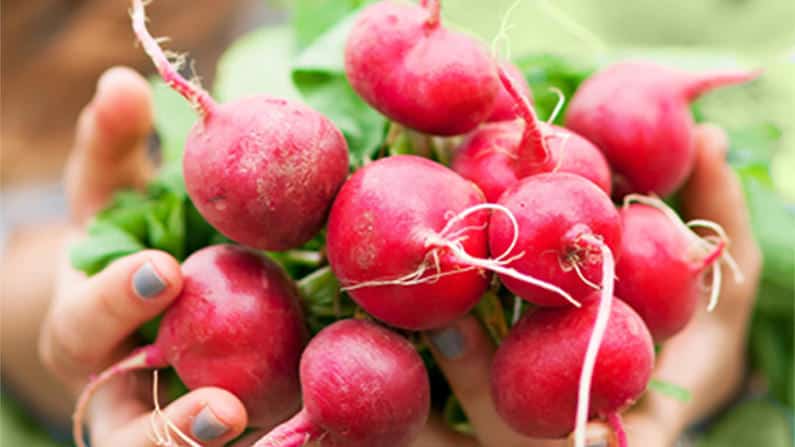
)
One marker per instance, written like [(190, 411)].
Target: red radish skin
[(556, 212), (236, 325), (263, 171), (405, 64), (497, 155), (535, 372), (363, 386), (660, 269), (505, 107), (637, 113), (378, 230)]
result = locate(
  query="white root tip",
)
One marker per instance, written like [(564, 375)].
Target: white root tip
[(160, 419), (595, 342), (558, 106)]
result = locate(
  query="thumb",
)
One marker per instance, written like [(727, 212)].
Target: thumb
[(110, 145)]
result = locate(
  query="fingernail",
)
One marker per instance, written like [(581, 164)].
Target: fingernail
[(147, 283), (600, 443), (449, 342), (206, 426)]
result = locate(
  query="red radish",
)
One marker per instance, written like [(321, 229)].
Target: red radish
[(505, 107), (637, 113), (237, 325), (407, 238), (557, 213), (497, 155), (535, 372), (363, 386), (261, 170), (661, 267), (405, 64)]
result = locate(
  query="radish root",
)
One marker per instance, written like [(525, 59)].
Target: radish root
[(202, 102), (160, 418), (595, 342), (617, 426)]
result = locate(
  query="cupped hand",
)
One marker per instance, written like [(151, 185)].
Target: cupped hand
[(91, 320), (707, 357)]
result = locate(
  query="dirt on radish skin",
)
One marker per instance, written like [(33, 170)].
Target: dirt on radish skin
[(660, 270), (406, 65), (237, 325), (638, 114), (363, 386), (379, 228), (555, 212), (505, 106), (262, 171), (535, 372)]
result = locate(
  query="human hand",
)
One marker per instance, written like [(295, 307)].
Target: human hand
[(91, 320), (707, 358)]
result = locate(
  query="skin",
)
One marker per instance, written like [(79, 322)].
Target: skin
[(712, 346)]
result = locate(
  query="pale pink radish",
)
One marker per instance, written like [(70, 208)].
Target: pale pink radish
[(263, 171), (405, 64), (362, 385), (638, 114), (236, 325)]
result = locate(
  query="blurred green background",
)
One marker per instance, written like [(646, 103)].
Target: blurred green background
[(688, 33)]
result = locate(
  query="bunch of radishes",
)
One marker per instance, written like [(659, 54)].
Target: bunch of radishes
[(415, 243)]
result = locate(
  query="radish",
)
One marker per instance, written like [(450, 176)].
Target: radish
[(558, 215), (505, 107), (263, 171), (237, 325), (407, 237), (662, 263), (572, 231), (534, 378), (637, 113), (363, 386), (497, 155), (405, 64)]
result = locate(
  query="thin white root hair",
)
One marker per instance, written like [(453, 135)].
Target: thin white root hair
[(595, 342), (565, 138), (582, 277), (576, 29), (558, 106), (486, 206), (490, 264), (168, 427), (705, 243), (502, 33), (517, 310)]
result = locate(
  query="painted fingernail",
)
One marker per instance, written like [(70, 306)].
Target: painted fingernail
[(147, 283), (206, 426), (600, 443), (449, 342)]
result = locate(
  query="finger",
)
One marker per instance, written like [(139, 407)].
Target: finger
[(464, 353), (208, 416), (110, 146), (597, 434), (714, 193), (89, 321), (437, 434)]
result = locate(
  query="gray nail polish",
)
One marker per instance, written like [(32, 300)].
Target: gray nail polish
[(449, 342), (206, 426), (601, 443), (146, 282)]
